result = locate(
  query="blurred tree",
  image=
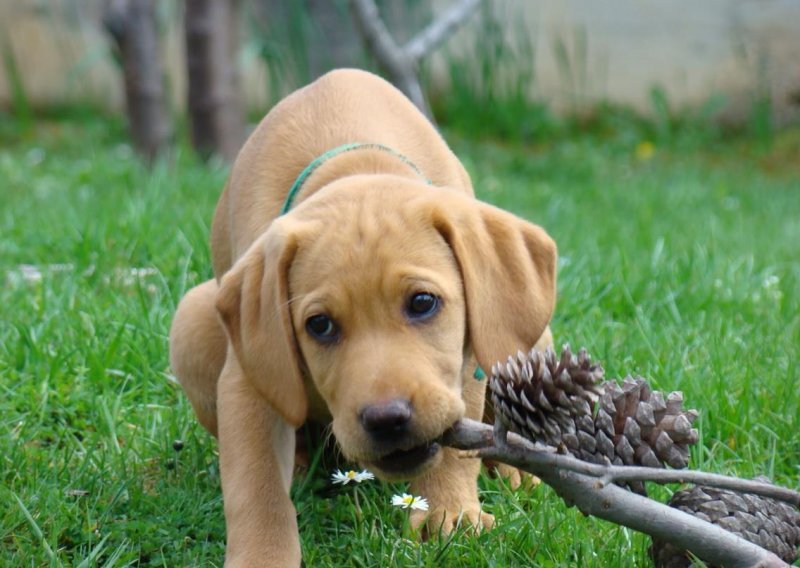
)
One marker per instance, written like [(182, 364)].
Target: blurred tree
[(332, 44), (132, 26), (215, 108), (401, 62), (299, 41)]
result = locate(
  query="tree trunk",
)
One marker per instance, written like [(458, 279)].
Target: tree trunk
[(215, 108), (132, 25)]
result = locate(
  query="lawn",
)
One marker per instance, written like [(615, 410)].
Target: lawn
[(679, 260)]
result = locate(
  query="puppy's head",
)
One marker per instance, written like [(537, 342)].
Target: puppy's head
[(375, 291)]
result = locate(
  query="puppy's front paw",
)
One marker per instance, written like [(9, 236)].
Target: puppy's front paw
[(516, 478), (441, 521)]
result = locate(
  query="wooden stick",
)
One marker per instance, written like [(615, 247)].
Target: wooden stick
[(589, 487), (476, 439)]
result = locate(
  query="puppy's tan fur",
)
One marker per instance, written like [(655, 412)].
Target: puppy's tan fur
[(365, 234)]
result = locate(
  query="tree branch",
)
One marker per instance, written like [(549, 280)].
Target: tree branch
[(390, 56), (422, 44), (588, 486), (480, 440), (400, 63), (377, 37)]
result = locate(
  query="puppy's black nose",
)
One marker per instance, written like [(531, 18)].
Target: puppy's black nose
[(386, 419)]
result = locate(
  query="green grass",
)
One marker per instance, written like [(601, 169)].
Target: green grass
[(684, 267)]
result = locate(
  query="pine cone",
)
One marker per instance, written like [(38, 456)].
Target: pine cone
[(771, 524), (561, 402)]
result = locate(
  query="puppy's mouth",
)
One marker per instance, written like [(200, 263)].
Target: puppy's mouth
[(407, 463)]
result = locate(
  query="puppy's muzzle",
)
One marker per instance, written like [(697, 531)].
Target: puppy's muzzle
[(389, 426)]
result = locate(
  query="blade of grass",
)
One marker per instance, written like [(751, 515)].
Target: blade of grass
[(37, 531)]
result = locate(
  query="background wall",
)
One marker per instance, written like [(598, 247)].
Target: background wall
[(576, 52), (619, 49)]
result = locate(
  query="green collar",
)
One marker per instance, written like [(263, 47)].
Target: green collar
[(319, 160)]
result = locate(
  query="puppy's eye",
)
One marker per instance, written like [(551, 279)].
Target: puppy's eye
[(422, 305), (322, 328)]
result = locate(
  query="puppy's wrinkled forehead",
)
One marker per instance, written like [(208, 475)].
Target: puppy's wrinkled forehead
[(371, 240)]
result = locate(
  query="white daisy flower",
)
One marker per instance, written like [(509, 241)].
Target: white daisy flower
[(406, 501), (345, 477)]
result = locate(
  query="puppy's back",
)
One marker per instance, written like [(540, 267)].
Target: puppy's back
[(341, 107)]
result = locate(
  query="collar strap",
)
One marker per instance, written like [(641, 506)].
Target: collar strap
[(319, 160)]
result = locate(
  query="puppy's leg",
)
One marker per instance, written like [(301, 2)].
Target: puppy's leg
[(546, 340), (256, 453), (197, 347), (451, 488)]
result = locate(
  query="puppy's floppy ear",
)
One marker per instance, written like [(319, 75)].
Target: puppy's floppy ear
[(253, 303), (508, 266)]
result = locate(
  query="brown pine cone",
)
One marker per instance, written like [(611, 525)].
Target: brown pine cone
[(769, 523), (561, 402)]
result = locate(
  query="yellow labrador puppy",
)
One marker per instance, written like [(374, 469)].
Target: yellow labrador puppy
[(358, 281)]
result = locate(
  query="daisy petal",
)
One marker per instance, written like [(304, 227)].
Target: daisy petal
[(341, 477), (401, 501), (406, 501), (364, 475)]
